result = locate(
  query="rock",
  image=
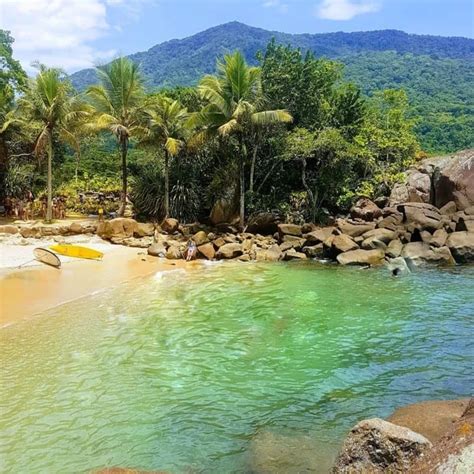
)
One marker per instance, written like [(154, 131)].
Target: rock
[(343, 243), (207, 251), (391, 222), (274, 453), (394, 248), (145, 230), (200, 238), (422, 251), (292, 254), (219, 242), (461, 245), (264, 223), (273, 254), (142, 243), (157, 250), (120, 227), (366, 210), (432, 419), (421, 216), (361, 257), (174, 252), (224, 211), (439, 238), (453, 179), (377, 238), (378, 446), (318, 236), (313, 251), (8, 229), (289, 229), (296, 241), (469, 211), (454, 452), (308, 227), (354, 230), (170, 225), (448, 209), (231, 250)]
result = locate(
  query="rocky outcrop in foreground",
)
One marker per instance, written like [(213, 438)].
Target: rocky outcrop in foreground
[(443, 442)]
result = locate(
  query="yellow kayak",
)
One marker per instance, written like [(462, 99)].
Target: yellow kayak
[(77, 251)]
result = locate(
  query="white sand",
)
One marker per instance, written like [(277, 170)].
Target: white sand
[(16, 250)]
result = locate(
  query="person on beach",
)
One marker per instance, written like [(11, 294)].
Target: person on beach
[(191, 250)]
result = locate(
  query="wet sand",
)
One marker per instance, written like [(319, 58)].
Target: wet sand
[(31, 290)]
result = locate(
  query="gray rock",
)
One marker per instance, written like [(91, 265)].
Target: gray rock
[(231, 250), (157, 250), (378, 446), (423, 252), (461, 245), (421, 216), (289, 229), (394, 248), (366, 210), (439, 238), (448, 209), (361, 257)]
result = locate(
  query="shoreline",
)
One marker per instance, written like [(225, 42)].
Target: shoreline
[(28, 291)]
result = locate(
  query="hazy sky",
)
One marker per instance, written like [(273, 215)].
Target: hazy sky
[(75, 34)]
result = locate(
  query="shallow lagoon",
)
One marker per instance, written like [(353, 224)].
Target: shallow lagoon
[(190, 371)]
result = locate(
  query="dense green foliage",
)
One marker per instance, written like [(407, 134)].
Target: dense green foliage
[(436, 72), (290, 135)]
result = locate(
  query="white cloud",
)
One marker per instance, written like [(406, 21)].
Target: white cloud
[(60, 32), (276, 4), (345, 9)]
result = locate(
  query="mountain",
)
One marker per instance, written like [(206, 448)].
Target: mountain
[(437, 72)]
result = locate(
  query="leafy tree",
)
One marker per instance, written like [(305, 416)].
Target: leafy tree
[(235, 108), (167, 129), (12, 79), (119, 107), (302, 84), (50, 101), (325, 159)]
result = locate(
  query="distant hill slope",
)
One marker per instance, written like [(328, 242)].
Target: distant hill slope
[(437, 72)]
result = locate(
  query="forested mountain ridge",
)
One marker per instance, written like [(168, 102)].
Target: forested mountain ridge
[(184, 61), (437, 72)]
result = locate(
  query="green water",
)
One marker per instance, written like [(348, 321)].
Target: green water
[(221, 369)]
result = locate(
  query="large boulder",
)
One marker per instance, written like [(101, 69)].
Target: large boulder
[(343, 243), (272, 254), (145, 229), (366, 210), (264, 223), (231, 250), (421, 216), (292, 254), (289, 229), (174, 252), (420, 251), (377, 446), (8, 229), (224, 211), (157, 249), (361, 257), (354, 229), (170, 225), (453, 180), (119, 228), (461, 245), (318, 236), (438, 181), (207, 251), (200, 238)]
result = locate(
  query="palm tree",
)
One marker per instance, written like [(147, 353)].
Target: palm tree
[(119, 107), (51, 102), (167, 128), (235, 107)]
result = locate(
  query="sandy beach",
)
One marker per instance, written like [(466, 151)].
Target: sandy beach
[(35, 287)]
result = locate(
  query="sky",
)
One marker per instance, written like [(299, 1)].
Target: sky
[(74, 34)]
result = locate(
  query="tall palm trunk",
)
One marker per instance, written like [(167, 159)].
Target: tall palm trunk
[(242, 182), (49, 204), (124, 149), (167, 184), (3, 166)]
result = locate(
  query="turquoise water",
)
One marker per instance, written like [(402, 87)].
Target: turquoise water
[(226, 368)]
